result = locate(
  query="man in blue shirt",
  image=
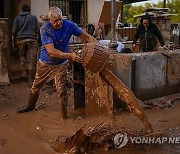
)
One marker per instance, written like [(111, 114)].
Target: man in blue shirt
[(55, 36)]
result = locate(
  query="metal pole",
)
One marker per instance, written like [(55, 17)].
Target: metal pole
[(164, 5), (113, 15), (122, 8), (113, 44)]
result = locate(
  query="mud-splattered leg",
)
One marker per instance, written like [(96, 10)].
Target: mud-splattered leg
[(22, 47), (32, 59), (60, 81)]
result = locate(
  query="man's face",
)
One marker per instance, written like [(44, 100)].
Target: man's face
[(145, 23), (56, 21)]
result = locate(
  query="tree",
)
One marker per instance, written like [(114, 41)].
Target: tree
[(130, 11), (174, 8), (126, 14)]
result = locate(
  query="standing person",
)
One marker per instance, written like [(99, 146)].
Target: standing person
[(147, 33), (55, 36), (24, 38), (90, 29)]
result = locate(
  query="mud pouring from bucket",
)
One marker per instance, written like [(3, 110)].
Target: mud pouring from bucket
[(95, 58)]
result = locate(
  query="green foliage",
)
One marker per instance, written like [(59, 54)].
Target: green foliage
[(129, 11), (126, 14), (174, 8), (159, 5)]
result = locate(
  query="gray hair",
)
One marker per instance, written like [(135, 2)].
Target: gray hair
[(54, 11)]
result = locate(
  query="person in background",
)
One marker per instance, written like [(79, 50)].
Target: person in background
[(24, 39), (90, 29), (96, 30), (55, 37), (99, 31), (147, 33)]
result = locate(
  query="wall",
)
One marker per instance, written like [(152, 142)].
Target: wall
[(164, 26), (156, 74), (22, 2), (4, 52), (94, 9), (39, 7)]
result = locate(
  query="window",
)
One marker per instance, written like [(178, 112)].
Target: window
[(75, 8)]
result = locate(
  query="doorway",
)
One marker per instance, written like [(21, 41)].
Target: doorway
[(1, 9)]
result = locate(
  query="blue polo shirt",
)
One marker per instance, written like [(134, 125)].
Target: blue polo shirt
[(59, 37)]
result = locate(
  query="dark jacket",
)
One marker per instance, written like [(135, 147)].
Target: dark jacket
[(148, 37), (25, 26)]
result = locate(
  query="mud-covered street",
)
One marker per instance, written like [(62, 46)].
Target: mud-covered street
[(37, 131)]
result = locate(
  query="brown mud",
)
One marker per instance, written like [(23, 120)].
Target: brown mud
[(38, 131)]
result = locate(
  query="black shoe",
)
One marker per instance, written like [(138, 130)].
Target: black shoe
[(26, 108)]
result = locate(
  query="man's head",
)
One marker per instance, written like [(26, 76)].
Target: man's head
[(146, 20), (90, 29), (55, 17), (26, 8), (145, 23)]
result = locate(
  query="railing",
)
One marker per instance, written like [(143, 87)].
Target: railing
[(127, 33)]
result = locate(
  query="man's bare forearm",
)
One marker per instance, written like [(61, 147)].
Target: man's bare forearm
[(60, 55), (57, 53), (88, 38)]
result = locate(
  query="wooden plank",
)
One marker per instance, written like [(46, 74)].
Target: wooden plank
[(106, 12), (4, 78)]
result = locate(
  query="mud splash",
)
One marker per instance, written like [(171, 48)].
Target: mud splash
[(95, 58), (127, 96), (87, 139), (101, 135), (98, 138)]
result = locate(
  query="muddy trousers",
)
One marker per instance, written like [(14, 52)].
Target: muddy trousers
[(28, 49), (43, 73)]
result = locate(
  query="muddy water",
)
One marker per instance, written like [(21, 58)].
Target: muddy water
[(86, 140), (94, 59), (162, 149), (40, 128), (100, 137), (127, 96)]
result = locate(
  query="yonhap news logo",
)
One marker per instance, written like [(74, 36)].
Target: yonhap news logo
[(122, 139)]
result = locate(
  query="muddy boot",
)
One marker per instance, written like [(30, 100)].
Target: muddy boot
[(31, 103)]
